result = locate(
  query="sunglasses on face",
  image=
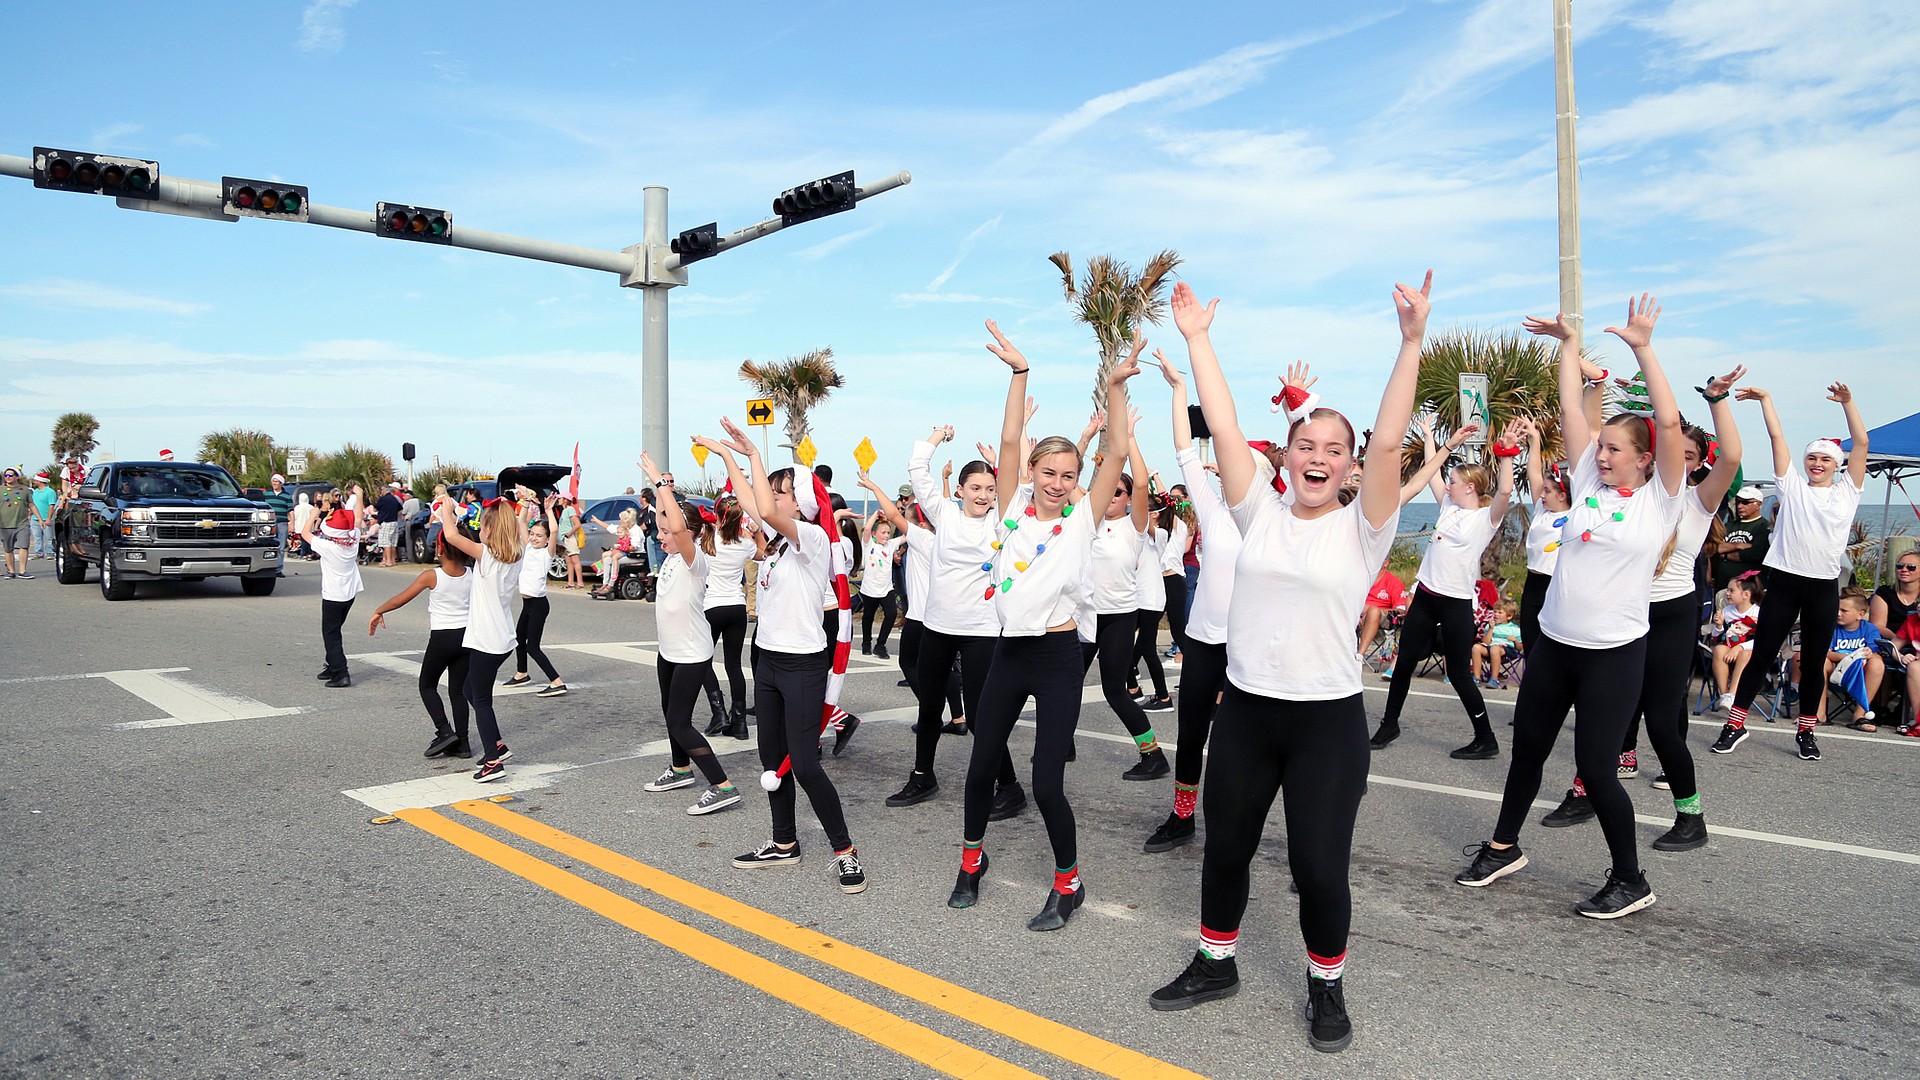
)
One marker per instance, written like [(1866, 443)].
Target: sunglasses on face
[(1909, 569)]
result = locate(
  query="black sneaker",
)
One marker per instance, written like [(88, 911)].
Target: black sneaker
[(344, 679), (459, 749), (1730, 737), (1205, 979), (904, 682), (1572, 810), (1480, 749), (966, 887), (1489, 865), (1152, 766), (517, 680), (1660, 783), (325, 674), (552, 690), (853, 876), (1158, 703), (1809, 750), (880, 653), (920, 787), (1059, 907), (442, 743), (1008, 801), (1619, 896), (952, 727), (1689, 831), (493, 769), (841, 737), (1328, 1029), (1386, 734), (768, 855), (1172, 833)]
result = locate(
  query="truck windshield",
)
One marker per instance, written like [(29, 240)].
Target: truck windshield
[(155, 482)]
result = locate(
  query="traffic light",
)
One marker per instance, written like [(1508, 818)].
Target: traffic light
[(263, 198), (697, 243), (405, 222), (815, 200), (96, 174)]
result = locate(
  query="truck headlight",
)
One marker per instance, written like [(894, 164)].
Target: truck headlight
[(263, 515), (137, 514)]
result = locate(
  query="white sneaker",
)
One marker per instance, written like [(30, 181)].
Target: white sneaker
[(1726, 702), (670, 780)]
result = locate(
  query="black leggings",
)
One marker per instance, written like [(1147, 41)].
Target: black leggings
[(911, 632), (1203, 674), (1673, 635), (679, 688), (445, 656), (1313, 754), (1040, 668), (937, 654), (868, 605), (1176, 586), (531, 627), (1604, 685), (333, 615), (1146, 647), (1452, 618), (1533, 597), (481, 669), (1813, 601), (1113, 640), (789, 695), (729, 624)]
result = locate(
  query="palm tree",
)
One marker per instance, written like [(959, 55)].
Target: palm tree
[(446, 472), (796, 385), (353, 464), (1522, 380), (1114, 301), (73, 436), (229, 448)]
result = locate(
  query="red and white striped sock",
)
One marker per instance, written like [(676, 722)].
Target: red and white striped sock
[(1737, 718), (835, 718), (1807, 723), (1218, 944), (1326, 967)]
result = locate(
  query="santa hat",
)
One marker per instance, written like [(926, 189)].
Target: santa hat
[(1297, 401), (279, 478), (1828, 447), (166, 455), (1263, 468), (42, 477)]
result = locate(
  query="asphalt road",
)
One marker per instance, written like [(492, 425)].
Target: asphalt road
[(204, 899)]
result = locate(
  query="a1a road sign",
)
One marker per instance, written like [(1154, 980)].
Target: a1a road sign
[(760, 412), (296, 462)]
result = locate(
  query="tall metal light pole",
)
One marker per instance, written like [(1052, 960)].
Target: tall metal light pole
[(1568, 163)]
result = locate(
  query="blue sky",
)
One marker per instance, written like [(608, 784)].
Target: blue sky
[(1751, 161)]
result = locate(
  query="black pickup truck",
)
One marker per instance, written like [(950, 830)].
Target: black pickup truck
[(158, 520)]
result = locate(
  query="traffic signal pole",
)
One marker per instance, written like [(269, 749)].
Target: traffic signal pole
[(650, 266)]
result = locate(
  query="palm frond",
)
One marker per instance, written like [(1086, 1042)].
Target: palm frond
[(1064, 262), (797, 385)]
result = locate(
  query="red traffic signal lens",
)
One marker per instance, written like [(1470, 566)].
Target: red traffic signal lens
[(245, 197), (397, 221), (60, 169)]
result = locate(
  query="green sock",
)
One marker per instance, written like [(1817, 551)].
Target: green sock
[(1688, 805), (1146, 742), (728, 786)]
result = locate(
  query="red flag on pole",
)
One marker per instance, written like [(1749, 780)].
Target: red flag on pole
[(573, 481)]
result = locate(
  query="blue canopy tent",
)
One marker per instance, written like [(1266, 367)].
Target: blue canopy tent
[(1893, 452)]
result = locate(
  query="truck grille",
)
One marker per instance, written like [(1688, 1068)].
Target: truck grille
[(186, 525)]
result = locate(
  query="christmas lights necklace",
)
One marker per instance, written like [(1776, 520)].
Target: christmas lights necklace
[(1013, 526), (1592, 503)]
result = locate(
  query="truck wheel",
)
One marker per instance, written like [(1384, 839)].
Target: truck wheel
[(68, 568), (112, 585), (257, 586)]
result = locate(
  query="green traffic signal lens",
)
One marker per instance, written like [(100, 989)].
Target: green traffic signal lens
[(290, 202), (139, 180), (438, 226)]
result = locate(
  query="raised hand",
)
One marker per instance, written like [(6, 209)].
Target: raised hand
[(941, 434), (1412, 306), (988, 455), (866, 481), (1032, 407), (1167, 371), (1556, 327), (646, 468), (1641, 316), (736, 440), (1719, 385), (1123, 371), (1460, 436), (1189, 316), (1139, 345), (1004, 349), (1517, 429), (946, 471), (1838, 392), (715, 446), (1298, 375), (1420, 424), (1751, 393), (1094, 423), (1133, 419)]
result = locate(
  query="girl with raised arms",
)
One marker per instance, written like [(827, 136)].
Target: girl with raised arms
[(490, 637), (1291, 721)]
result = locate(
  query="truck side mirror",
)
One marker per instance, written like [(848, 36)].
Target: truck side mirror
[(87, 492)]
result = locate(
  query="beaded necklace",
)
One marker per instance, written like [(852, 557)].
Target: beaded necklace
[(766, 575), (1013, 526), (1592, 503)]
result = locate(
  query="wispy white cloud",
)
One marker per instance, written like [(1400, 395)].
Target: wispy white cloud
[(960, 256), (830, 245), (323, 26), (109, 137), (195, 140), (958, 298), (64, 292)]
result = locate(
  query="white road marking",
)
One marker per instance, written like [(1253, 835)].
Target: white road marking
[(398, 663), (185, 703), (86, 675)]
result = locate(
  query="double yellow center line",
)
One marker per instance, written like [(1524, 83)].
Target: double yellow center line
[(905, 1037)]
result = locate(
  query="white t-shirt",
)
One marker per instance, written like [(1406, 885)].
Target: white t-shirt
[(679, 609), (956, 600), (827, 597), (1149, 591), (788, 600), (447, 604), (1677, 579), (1173, 553), (1451, 565), (533, 570), (1542, 531), (1046, 593), (1810, 535), (726, 583), (490, 615), (919, 566), (1298, 591), (1219, 551), (1601, 587), (339, 563), (1732, 620), (1115, 565), (877, 580)]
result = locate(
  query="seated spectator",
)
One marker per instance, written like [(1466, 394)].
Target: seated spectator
[(1906, 651), (1733, 634), (1501, 639), (1387, 594), (1853, 660)]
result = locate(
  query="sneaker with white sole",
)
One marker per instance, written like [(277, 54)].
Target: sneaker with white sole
[(1660, 783), (715, 799), (1619, 896), (853, 876), (1725, 702), (551, 690), (1809, 750), (489, 770), (670, 780), (1489, 865), (768, 854), (1730, 737), (1629, 765)]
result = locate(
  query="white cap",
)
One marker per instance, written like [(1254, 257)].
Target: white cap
[(395, 485), (277, 478), (1748, 494)]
